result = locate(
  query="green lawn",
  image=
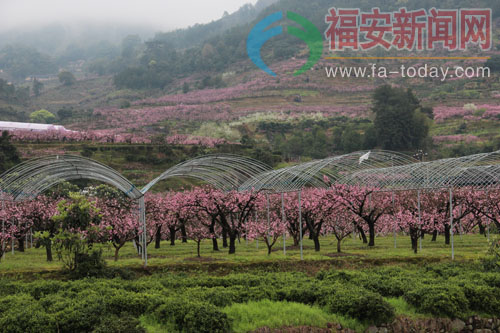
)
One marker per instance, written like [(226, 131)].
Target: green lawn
[(183, 255), (250, 289), (250, 316)]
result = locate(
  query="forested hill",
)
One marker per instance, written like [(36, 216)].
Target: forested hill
[(198, 33), (212, 47), (103, 48), (220, 52), (208, 94)]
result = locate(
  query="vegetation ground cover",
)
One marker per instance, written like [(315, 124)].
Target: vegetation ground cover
[(222, 292), (467, 247)]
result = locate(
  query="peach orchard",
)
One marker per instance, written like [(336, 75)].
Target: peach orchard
[(204, 213)]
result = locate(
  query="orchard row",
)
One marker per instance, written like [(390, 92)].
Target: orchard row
[(106, 216)]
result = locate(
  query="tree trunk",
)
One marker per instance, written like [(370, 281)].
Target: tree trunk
[(339, 241), (48, 249), (199, 241), (482, 229), (117, 248), (371, 229), (158, 238), (363, 235), (215, 246), (497, 224), (172, 236), (447, 234), (316, 242), (184, 234), (434, 235), (138, 245), (294, 232), (224, 238), (269, 248), (232, 242), (21, 244), (414, 240)]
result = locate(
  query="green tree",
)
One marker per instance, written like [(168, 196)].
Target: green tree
[(74, 215), (21, 61), (351, 140), (42, 116), (108, 192), (130, 46), (12, 94), (370, 138), (319, 148), (419, 130), (141, 78), (9, 155), (66, 78), (494, 63), (296, 145), (37, 87), (185, 88), (398, 125), (65, 113), (61, 190)]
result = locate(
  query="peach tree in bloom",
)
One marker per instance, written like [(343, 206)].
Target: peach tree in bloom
[(118, 223), (340, 223), (197, 230), (293, 222), (40, 212), (366, 204), (266, 225), (231, 210), (410, 219)]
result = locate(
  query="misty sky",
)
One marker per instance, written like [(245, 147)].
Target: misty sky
[(161, 14)]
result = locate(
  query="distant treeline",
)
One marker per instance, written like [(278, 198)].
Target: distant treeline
[(207, 48), (161, 61)]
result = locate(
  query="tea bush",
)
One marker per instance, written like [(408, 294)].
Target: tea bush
[(439, 300), (194, 303)]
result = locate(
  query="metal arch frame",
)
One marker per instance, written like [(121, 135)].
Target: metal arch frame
[(382, 170), (478, 170), (28, 179), (403, 173), (336, 168), (295, 178), (223, 171), (31, 178)]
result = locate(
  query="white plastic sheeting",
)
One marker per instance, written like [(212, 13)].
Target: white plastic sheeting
[(15, 126)]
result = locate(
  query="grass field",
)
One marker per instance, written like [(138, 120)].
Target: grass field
[(251, 290), (183, 255)]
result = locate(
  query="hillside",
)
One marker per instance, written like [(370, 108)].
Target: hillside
[(231, 103), (293, 166), (265, 109)]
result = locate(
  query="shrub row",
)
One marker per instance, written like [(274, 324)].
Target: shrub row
[(193, 303)]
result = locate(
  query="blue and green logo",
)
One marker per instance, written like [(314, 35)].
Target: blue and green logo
[(260, 34)]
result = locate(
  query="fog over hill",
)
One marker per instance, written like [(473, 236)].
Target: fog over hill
[(53, 26)]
